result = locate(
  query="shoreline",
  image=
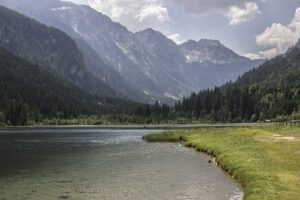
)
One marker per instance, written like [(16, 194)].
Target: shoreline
[(253, 157), (141, 127)]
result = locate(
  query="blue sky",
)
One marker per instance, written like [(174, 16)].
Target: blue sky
[(256, 28)]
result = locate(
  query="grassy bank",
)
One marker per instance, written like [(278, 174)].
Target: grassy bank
[(265, 161)]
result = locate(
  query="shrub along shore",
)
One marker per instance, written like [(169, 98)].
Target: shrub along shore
[(265, 161)]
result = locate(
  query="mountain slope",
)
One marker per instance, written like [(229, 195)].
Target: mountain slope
[(49, 48), (268, 92), (120, 48), (150, 65), (107, 74), (89, 28), (221, 64), (274, 67), (208, 75), (168, 66), (28, 92)]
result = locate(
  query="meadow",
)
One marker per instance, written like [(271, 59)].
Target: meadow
[(264, 161)]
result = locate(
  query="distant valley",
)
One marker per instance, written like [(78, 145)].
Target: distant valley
[(145, 66)]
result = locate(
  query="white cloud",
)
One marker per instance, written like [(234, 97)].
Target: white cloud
[(238, 15), (176, 38), (262, 54), (153, 11), (278, 38), (199, 7), (238, 11), (135, 14), (140, 14), (252, 56), (78, 1)]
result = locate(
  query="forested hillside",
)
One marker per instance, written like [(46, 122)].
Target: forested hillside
[(30, 93), (145, 66), (50, 48), (268, 92)]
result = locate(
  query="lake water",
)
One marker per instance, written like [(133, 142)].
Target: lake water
[(92, 164)]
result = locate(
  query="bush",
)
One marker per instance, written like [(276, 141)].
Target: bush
[(296, 115)]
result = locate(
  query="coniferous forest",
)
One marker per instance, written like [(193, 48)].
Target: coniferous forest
[(29, 93), (271, 91), (34, 89), (87, 85)]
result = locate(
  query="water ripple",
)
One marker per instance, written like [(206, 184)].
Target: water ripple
[(93, 164)]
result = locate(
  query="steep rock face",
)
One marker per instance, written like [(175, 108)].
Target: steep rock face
[(145, 66), (49, 48)]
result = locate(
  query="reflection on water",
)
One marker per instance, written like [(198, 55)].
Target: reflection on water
[(91, 164)]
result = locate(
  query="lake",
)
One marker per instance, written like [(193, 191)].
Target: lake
[(95, 164)]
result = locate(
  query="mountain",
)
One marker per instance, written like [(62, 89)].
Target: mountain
[(208, 75), (210, 51), (95, 35), (30, 93), (49, 48), (145, 66), (108, 75), (210, 63), (279, 65), (121, 50), (167, 66), (271, 91), (221, 65)]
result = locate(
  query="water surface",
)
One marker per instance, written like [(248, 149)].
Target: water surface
[(91, 164)]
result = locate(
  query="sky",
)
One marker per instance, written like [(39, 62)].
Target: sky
[(253, 28)]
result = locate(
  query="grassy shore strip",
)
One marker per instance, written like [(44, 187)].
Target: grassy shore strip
[(265, 161)]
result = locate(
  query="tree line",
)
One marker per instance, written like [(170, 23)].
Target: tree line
[(29, 93), (271, 91)]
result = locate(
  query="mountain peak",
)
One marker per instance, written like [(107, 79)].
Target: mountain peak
[(150, 33), (190, 42), (203, 43), (209, 51), (149, 30), (209, 42)]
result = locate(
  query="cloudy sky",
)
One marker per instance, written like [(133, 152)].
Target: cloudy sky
[(255, 28)]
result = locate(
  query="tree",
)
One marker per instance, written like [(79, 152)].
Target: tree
[(2, 117)]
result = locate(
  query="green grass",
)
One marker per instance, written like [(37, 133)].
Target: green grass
[(265, 161)]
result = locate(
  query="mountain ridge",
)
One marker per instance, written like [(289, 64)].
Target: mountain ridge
[(49, 48), (152, 67), (207, 50)]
